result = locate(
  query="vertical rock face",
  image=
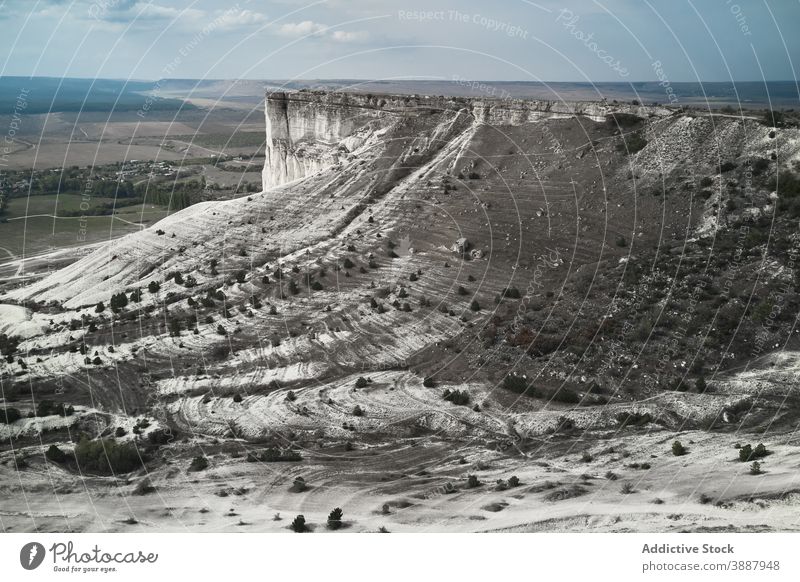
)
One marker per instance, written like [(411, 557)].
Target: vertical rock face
[(310, 131)]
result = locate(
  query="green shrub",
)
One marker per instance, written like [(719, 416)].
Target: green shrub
[(335, 519), (198, 464), (106, 456), (678, 449), (747, 453), (299, 524), (9, 415), (55, 454), (459, 397)]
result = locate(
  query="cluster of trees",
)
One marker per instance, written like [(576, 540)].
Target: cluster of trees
[(107, 456)]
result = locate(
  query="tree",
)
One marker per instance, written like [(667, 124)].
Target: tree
[(99, 308), (153, 287), (678, 449), (701, 385), (475, 306), (755, 468), (118, 301), (335, 518), (299, 524), (174, 327)]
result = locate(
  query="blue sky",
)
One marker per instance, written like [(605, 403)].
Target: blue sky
[(568, 40)]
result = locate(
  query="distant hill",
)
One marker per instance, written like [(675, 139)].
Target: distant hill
[(50, 94)]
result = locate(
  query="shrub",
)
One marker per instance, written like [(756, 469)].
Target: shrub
[(459, 397), (678, 449), (316, 286), (292, 288), (198, 464), (626, 489), (747, 453), (99, 308), (221, 330), (727, 167), (9, 415), (347, 263), (335, 519), (299, 485), (237, 397), (475, 306), (153, 287), (428, 382), (361, 382), (621, 241), (55, 454), (472, 481), (755, 468), (513, 481), (701, 385), (105, 456), (516, 383), (357, 411), (144, 487), (291, 396), (299, 524)]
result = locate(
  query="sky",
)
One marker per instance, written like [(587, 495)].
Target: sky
[(520, 40)]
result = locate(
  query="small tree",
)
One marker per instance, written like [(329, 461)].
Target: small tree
[(299, 524), (678, 449), (701, 385), (335, 519), (198, 464)]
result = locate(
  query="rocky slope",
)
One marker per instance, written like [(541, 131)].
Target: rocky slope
[(573, 270)]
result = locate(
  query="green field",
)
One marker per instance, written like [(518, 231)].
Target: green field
[(43, 230)]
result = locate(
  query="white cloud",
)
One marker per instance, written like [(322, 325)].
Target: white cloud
[(347, 36), (301, 28), (310, 28)]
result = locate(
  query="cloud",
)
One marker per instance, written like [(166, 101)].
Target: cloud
[(354, 36), (316, 29), (304, 28), (233, 19)]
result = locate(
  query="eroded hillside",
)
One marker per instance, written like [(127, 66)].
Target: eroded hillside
[(429, 288)]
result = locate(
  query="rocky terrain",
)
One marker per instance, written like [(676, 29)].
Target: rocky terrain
[(431, 296)]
